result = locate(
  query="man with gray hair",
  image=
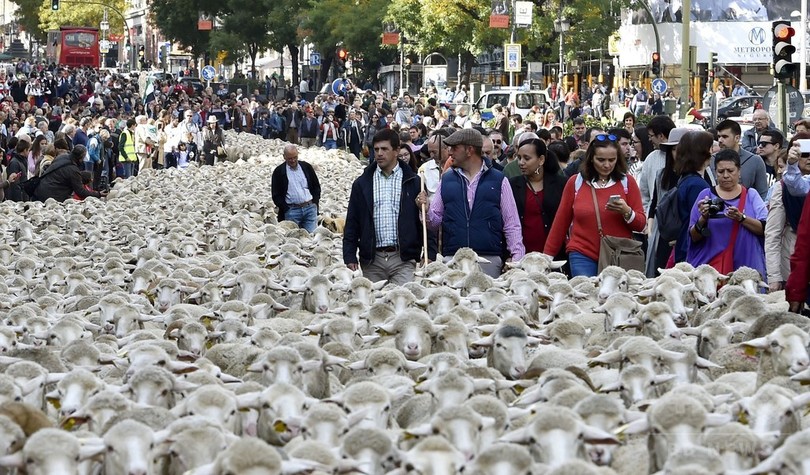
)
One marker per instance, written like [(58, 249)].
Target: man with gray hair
[(751, 137), (296, 190)]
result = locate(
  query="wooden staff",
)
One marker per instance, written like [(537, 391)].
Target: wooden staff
[(424, 218)]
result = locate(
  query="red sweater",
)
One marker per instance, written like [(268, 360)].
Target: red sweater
[(799, 280), (577, 213)]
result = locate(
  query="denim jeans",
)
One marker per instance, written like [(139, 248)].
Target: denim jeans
[(128, 166), (306, 217), (582, 265), (330, 144)]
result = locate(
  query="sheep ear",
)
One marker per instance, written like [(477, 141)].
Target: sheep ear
[(611, 387), (638, 426), (595, 435), (800, 401), (385, 328), (486, 341), (803, 376), (315, 329), (207, 469), (520, 436), (178, 367), (91, 448), (703, 363), (414, 365), (480, 384), (14, 460), (249, 400), (759, 343), (483, 260), (663, 378), (608, 357), (422, 430), (716, 420), (556, 264)]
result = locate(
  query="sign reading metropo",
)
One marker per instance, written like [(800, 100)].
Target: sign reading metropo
[(738, 31)]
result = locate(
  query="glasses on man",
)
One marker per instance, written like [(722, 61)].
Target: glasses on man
[(605, 138), (764, 144)]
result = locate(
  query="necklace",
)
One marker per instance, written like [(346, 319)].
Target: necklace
[(602, 182)]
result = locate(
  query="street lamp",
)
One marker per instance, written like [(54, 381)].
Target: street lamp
[(802, 44), (561, 25)]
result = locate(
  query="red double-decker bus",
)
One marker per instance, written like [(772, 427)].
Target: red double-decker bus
[(78, 46)]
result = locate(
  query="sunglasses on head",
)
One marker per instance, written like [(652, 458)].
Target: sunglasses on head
[(605, 138)]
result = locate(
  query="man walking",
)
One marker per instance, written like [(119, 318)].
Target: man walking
[(354, 134), (296, 190), (293, 118), (309, 129), (382, 220), (474, 205)]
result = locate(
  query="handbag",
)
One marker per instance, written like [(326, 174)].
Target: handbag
[(724, 261), (220, 151), (617, 251), (365, 151)]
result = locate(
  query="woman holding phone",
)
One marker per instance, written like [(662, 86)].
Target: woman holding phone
[(602, 179)]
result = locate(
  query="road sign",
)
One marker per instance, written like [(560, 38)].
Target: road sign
[(511, 57), (795, 103), (338, 86), (659, 86), (208, 72), (104, 46), (315, 61)]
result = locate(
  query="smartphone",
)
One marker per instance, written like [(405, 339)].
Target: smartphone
[(615, 198), (804, 144)]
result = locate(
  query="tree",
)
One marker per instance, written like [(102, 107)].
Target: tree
[(284, 20), (177, 20), (27, 16), (78, 13), (243, 30)]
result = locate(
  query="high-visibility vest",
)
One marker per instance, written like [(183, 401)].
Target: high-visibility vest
[(129, 147)]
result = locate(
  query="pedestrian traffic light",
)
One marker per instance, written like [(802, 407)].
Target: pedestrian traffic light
[(783, 49), (54, 4), (656, 63)]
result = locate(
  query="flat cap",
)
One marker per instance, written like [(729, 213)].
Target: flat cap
[(469, 137)]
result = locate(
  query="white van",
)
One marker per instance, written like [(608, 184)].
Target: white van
[(521, 101)]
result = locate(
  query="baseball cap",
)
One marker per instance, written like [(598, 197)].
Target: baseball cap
[(469, 137), (676, 134)]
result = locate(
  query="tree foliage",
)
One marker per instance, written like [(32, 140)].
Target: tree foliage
[(177, 19), (27, 16), (80, 13), (244, 32)]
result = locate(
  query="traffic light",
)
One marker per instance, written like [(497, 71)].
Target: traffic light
[(783, 49), (656, 63), (54, 4)]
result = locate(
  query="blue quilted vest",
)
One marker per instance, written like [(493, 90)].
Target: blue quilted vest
[(480, 228)]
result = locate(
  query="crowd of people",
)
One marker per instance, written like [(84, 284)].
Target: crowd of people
[(504, 188)]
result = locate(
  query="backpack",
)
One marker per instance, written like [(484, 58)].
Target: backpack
[(667, 214)]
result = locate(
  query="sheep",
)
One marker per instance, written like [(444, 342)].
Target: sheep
[(612, 279), (48, 451), (214, 403), (371, 448), (618, 308), (748, 278), (503, 459), (507, 348), (737, 445), (433, 455), (784, 352), (413, 332), (772, 413), (558, 435), (636, 384), (667, 289)]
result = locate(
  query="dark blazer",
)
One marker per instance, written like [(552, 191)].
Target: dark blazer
[(279, 184), (359, 230), (18, 164), (288, 116), (552, 193)]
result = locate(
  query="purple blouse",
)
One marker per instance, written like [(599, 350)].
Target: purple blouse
[(749, 249)]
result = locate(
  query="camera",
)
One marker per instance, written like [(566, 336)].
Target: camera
[(716, 207)]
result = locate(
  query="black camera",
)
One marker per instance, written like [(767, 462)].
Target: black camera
[(716, 207)]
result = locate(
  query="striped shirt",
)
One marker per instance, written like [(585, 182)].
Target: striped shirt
[(387, 193), (297, 188)]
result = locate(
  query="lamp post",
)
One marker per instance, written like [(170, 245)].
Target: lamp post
[(561, 25)]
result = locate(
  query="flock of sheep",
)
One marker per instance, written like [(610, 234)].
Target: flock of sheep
[(177, 327)]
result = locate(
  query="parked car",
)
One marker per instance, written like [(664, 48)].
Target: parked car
[(732, 107), (192, 86), (521, 101)]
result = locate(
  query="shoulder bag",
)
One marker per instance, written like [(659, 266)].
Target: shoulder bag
[(617, 251), (724, 261)]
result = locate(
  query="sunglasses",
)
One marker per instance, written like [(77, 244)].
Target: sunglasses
[(605, 138), (497, 141), (763, 144)]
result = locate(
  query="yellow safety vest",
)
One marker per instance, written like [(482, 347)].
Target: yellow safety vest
[(129, 147)]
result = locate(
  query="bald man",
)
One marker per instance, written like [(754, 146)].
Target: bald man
[(296, 190)]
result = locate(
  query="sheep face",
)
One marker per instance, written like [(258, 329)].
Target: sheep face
[(773, 414), (75, 389), (413, 332), (787, 347), (128, 445), (508, 351)]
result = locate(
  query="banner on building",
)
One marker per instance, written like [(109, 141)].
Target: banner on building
[(671, 11), (499, 16), (205, 22), (390, 34)]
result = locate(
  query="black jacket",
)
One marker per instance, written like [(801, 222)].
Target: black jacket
[(552, 193), (279, 183), (359, 230), (61, 180), (18, 164)]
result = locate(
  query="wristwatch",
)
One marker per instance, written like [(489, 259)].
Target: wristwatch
[(743, 217)]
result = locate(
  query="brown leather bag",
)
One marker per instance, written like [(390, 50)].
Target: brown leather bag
[(617, 251)]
